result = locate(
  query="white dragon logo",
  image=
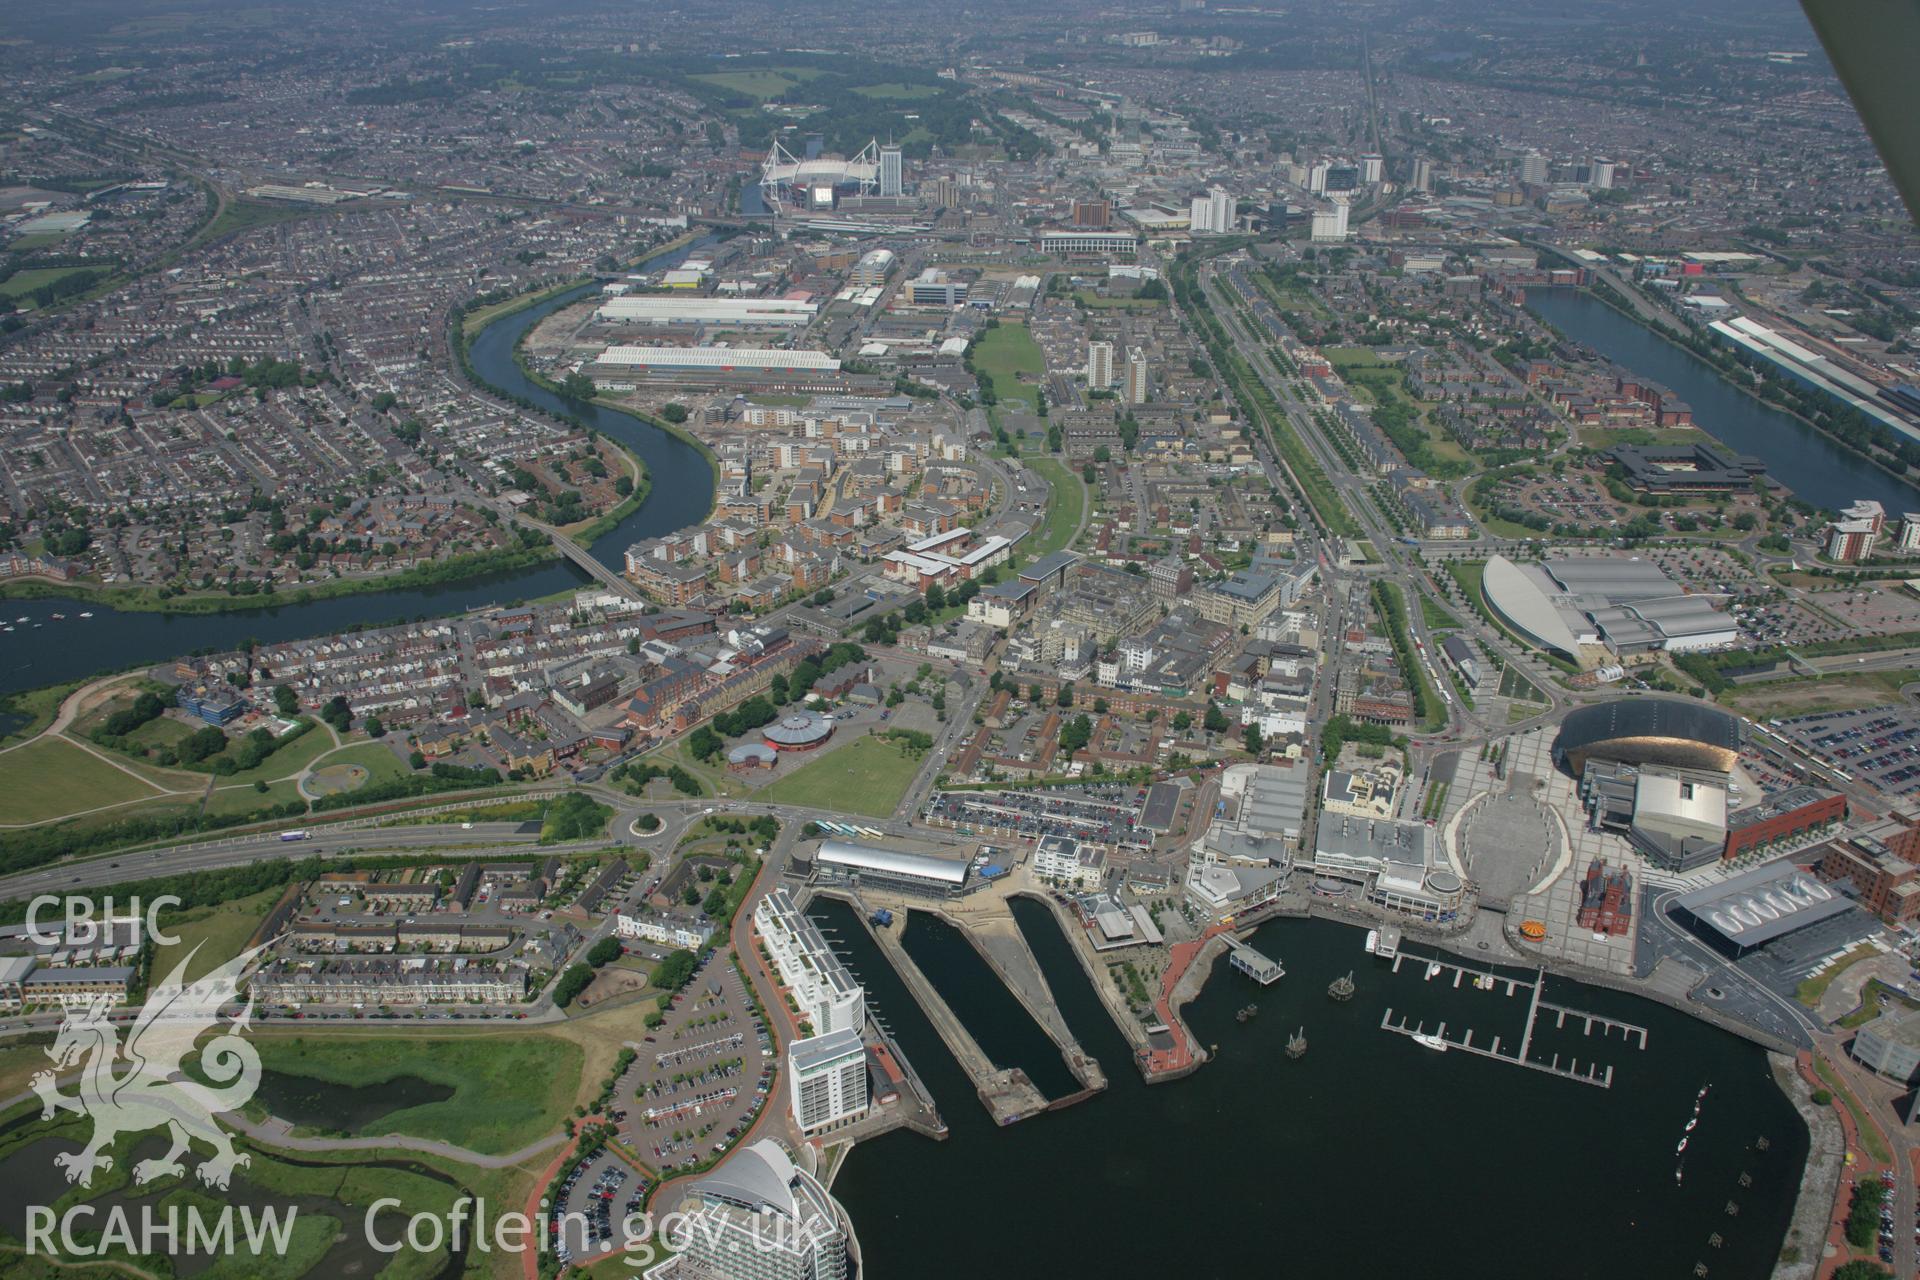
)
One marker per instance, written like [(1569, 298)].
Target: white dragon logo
[(154, 1091)]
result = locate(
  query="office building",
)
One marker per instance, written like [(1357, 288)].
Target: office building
[(1330, 223), (890, 171), (1099, 366), (1091, 215), (1317, 178), (1372, 168), (1137, 387), (1533, 169), (1600, 175), (759, 1217), (1422, 174), (1213, 213), (827, 1080), (936, 288), (1890, 1045)]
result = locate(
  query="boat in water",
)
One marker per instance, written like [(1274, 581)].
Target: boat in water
[(1431, 1042), (1247, 1013), (1433, 970), (59, 617), (1373, 935), (87, 614), (1682, 1147)]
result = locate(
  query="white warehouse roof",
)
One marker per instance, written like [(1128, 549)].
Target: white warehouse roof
[(718, 358), (920, 866)]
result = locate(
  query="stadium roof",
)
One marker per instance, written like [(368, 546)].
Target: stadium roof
[(1764, 904), (896, 862)]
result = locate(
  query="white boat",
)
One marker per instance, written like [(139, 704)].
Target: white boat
[(86, 615), (59, 617), (1682, 1147), (1433, 970), (1373, 941), (1691, 1123), (1431, 1041), (21, 618)]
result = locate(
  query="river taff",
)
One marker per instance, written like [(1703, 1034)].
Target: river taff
[(1815, 468), (681, 495), (1368, 1155)]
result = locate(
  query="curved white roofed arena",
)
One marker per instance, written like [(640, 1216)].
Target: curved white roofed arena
[(843, 859), (1522, 602)]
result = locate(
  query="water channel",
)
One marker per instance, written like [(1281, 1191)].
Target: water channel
[(1815, 468), (55, 651), (1368, 1153)]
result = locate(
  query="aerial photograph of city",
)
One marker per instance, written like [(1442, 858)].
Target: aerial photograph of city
[(826, 640)]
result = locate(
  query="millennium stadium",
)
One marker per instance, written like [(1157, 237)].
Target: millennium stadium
[(817, 185)]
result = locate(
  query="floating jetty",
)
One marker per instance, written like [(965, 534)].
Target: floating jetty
[(1247, 960), (1342, 988), (1590, 1073)]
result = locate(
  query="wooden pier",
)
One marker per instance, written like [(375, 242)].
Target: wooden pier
[(1593, 1073), (1247, 960)]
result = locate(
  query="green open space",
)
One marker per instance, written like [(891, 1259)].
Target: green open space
[(866, 777), (1345, 358), (211, 935), (1869, 1132), (759, 82), (1813, 694), (247, 215), (250, 799), (375, 757), (1089, 298), (289, 760), (36, 241), (1066, 502), (895, 89), (51, 776), (1809, 992), (22, 283), (508, 1090), (1612, 437), (1004, 353)]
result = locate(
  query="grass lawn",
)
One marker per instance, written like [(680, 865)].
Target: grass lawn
[(1816, 693), (1436, 618), (509, 1090), (761, 83), (219, 931), (245, 799), (1095, 301), (1809, 992), (245, 215), (1344, 358), (865, 777), (1869, 1132), (376, 757), (1066, 501), (51, 777), (289, 760), (1608, 438), (38, 240), (895, 89), (30, 711), (21, 283), (1005, 352)]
